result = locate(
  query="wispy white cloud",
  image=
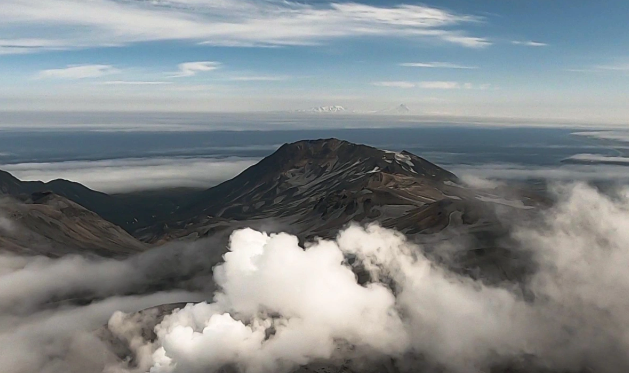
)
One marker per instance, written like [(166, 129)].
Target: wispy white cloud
[(440, 85), (599, 159), (431, 85), (78, 72), (133, 82), (624, 67), (620, 67), (620, 136), (437, 65), (21, 46), (259, 78), (192, 68), (529, 43), (395, 84), (230, 22)]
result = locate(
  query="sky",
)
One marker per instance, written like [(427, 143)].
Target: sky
[(541, 59)]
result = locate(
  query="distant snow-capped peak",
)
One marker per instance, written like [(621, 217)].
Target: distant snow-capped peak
[(326, 109)]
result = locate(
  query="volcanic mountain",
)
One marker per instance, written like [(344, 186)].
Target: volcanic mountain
[(315, 187), (308, 188)]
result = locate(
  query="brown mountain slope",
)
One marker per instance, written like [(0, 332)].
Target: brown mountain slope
[(51, 225)]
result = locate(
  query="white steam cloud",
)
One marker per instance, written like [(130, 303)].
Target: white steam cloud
[(281, 306)]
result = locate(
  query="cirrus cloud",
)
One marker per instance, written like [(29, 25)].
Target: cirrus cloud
[(430, 85), (529, 43), (437, 65), (226, 23)]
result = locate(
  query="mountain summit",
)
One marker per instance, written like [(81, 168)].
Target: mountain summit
[(317, 186)]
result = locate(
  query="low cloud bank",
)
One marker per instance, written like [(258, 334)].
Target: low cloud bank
[(132, 174), (50, 308), (564, 173)]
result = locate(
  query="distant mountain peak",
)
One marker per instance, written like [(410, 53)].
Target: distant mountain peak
[(325, 109), (403, 108), (400, 109)]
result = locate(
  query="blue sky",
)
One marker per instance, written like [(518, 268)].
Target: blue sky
[(559, 59)]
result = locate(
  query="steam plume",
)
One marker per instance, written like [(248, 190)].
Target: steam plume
[(281, 306)]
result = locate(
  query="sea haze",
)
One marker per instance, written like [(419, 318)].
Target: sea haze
[(128, 157)]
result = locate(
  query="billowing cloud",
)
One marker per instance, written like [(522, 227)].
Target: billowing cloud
[(78, 72), (192, 68), (49, 308), (227, 23), (121, 175), (280, 305)]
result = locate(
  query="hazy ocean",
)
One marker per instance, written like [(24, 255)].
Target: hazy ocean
[(163, 149)]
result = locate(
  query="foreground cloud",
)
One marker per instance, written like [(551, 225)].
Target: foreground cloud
[(227, 23), (281, 305)]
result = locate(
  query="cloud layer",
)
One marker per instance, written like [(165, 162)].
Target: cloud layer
[(123, 175), (566, 173)]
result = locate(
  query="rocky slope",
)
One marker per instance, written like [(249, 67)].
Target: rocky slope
[(51, 225), (128, 211), (314, 188)]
